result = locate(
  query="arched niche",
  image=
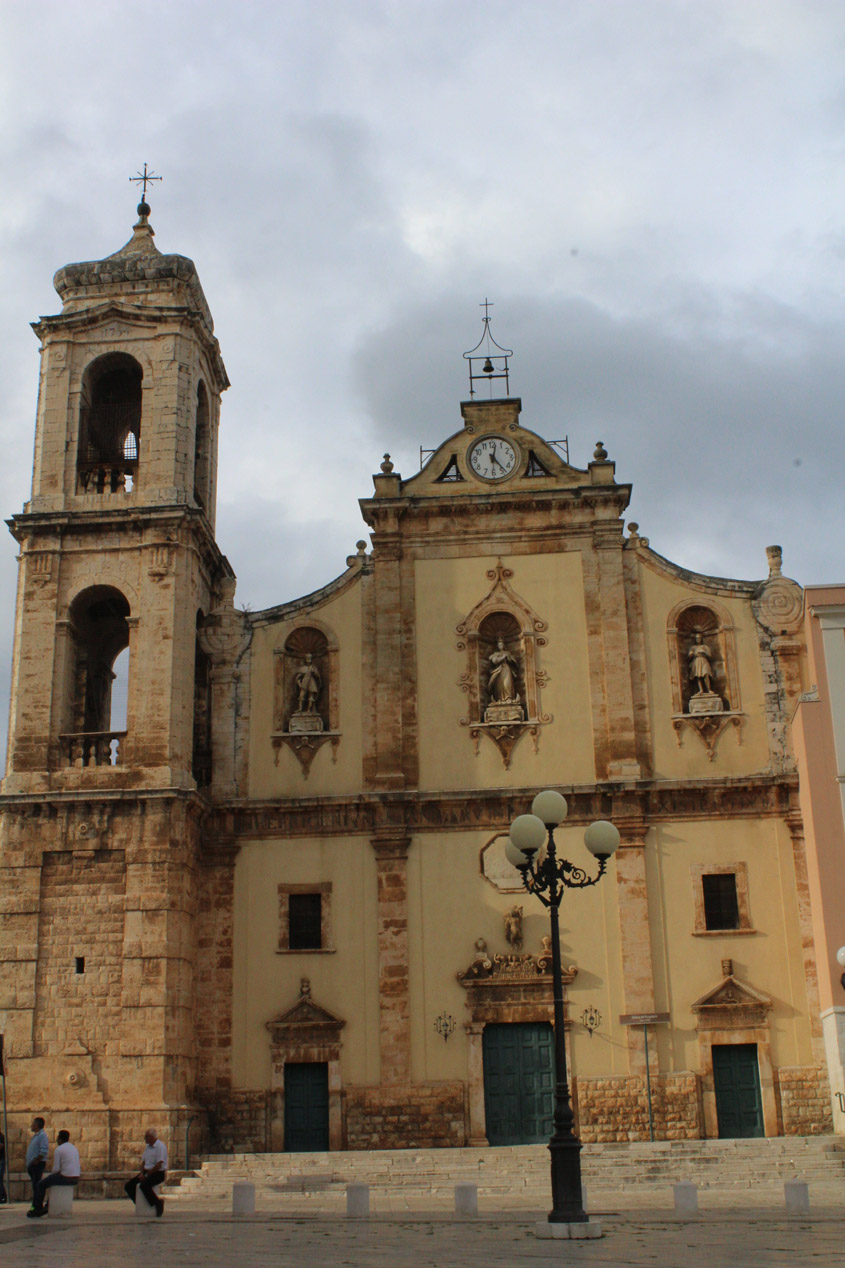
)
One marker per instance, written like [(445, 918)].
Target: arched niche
[(109, 424), (306, 692), (501, 637), (703, 671)]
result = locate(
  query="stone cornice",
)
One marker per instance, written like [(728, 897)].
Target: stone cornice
[(400, 813)]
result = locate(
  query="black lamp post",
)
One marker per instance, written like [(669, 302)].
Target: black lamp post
[(532, 851)]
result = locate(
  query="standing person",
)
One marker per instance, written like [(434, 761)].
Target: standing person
[(36, 1154), (3, 1196), (153, 1171), (65, 1171)]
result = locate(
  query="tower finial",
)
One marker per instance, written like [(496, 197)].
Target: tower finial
[(495, 362), (144, 179)]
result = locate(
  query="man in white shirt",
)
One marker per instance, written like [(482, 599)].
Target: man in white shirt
[(65, 1171), (153, 1170)]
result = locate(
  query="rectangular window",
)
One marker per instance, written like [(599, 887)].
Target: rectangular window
[(305, 915), (721, 908), (305, 918), (720, 899)]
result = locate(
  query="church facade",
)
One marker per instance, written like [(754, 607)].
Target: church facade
[(276, 903)]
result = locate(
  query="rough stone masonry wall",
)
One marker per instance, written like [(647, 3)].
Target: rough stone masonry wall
[(804, 1101), (422, 1116), (616, 1109), (82, 898)]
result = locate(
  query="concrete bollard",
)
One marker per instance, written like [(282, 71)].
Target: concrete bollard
[(686, 1198), (796, 1195), (357, 1201), (143, 1210), (60, 1201), (466, 1199), (243, 1198)]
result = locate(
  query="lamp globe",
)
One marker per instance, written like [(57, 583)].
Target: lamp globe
[(602, 839), (528, 833), (549, 807)]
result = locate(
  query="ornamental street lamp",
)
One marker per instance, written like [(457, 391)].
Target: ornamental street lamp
[(531, 849)]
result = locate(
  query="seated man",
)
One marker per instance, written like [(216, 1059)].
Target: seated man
[(65, 1171), (153, 1171)]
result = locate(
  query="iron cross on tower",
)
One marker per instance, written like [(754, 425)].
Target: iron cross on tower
[(144, 179)]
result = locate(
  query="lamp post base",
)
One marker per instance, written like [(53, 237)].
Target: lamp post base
[(571, 1231)]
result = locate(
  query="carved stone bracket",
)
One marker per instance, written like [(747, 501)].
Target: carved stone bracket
[(505, 736), (708, 727), (304, 745)]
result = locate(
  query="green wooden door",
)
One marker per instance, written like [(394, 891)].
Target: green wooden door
[(306, 1107), (519, 1080), (736, 1074)]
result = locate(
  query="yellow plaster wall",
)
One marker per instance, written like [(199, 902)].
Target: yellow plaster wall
[(688, 965), (326, 777), (446, 591), (660, 594), (451, 905), (267, 983)]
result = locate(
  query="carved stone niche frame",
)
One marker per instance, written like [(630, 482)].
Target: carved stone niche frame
[(305, 732), (306, 1032), (503, 621), (510, 987), (732, 1013), (707, 713)]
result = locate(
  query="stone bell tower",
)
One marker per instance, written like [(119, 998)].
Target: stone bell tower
[(99, 815)]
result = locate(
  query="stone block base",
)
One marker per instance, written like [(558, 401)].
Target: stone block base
[(421, 1116), (574, 1232)]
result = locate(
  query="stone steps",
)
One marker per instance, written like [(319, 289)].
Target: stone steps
[(521, 1170)]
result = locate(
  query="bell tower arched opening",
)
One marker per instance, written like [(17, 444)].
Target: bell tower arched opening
[(201, 448), (110, 424), (99, 624)]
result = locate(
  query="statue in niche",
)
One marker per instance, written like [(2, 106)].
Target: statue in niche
[(307, 683), (502, 681), (513, 928), (704, 699)]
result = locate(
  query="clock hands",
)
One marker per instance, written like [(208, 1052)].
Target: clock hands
[(493, 458)]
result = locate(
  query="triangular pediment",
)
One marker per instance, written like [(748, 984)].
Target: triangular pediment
[(306, 1013), (731, 993)]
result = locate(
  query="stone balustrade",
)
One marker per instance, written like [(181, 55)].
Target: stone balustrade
[(92, 748)]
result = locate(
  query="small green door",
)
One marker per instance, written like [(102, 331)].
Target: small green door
[(736, 1074), (519, 1079), (306, 1107)]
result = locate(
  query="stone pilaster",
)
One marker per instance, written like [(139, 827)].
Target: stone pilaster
[(392, 923), (610, 655), (635, 939)]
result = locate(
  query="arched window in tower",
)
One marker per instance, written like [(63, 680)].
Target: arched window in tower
[(99, 683), (201, 448), (110, 425), (202, 755)]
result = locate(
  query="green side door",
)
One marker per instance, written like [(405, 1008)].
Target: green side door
[(739, 1105)]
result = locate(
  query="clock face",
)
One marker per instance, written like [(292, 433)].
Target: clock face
[(493, 458)]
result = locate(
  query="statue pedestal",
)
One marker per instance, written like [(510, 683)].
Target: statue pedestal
[(302, 723), (503, 713), (706, 702)]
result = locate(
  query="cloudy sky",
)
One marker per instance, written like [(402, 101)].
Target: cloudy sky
[(650, 191)]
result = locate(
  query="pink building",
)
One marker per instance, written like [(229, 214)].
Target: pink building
[(819, 738)]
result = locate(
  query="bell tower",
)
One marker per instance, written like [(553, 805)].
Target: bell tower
[(117, 540), (101, 864)]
